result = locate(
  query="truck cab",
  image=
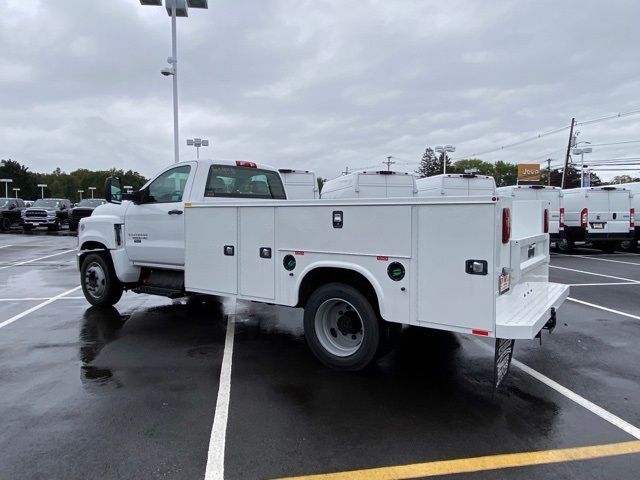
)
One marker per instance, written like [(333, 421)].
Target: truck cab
[(143, 231), (10, 212)]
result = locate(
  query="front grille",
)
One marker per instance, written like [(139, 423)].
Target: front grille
[(81, 213), (36, 214)]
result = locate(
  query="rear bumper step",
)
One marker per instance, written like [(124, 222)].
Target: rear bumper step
[(527, 308)]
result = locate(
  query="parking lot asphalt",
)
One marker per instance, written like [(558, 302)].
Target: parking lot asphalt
[(155, 388)]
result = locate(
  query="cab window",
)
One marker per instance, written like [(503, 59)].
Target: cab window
[(243, 182), (169, 186)]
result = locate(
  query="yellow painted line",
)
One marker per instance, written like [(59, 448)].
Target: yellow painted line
[(479, 464)]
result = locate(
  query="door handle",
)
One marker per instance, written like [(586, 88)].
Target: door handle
[(175, 212)]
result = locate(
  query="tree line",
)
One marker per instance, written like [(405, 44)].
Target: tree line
[(61, 184), (504, 173)]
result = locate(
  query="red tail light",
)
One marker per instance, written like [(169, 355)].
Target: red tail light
[(632, 220), (546, 220), (584, 217), (242, 163), (506, 225), (561, 222)]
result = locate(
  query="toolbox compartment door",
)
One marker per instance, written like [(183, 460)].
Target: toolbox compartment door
[(257, 232)]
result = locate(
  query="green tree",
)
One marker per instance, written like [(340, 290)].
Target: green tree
[(622, 179), (480, 166), (320, 181), (430, 164), (21, 176), (505, 173)]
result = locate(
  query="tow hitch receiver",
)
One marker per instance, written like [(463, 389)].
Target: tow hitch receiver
[(550, 325), (502, 360)]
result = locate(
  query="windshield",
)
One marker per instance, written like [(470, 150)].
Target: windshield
[(4, 202), (91, 202), (46, 203)]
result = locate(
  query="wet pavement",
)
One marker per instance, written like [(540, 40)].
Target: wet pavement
[(130, 392)]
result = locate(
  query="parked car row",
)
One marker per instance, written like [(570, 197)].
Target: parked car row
[(51, 213)]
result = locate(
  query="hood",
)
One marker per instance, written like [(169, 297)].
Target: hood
[(35, 209)]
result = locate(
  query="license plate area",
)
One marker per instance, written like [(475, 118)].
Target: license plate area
[(597, 225), (504, 283)]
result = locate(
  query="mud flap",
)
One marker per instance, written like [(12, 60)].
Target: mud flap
[(502, 360)]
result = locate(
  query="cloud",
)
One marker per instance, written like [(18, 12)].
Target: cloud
[(311, 84)]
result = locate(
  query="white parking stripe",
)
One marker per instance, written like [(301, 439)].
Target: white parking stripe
[(36, 259), (215, 458), (37, 307), (5, 246), (630, 280), (604, 284), (34, 299), (571, 395), (588, 257), (606, 309), (592, 407)]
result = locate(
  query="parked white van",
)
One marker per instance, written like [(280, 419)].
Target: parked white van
[(456, 185), (601, 216), (380, 184), (300, 184), (553, 195)]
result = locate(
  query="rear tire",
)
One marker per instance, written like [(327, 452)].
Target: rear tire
[(100, 284), (5, 224), (73, 228), (564, 244), (341, 327), (629, 246)]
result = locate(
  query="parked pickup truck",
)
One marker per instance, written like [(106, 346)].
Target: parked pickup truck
[(83, 209), (47, 212), (360, 268), (10, 212)]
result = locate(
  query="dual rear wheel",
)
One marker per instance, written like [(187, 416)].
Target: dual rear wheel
[(344, 330)]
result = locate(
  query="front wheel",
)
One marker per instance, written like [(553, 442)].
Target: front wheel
[(341, 327), (100, 284), (5, 224)]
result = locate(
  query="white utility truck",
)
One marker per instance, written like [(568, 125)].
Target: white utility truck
[(377, 184), (300, 184), (553, 195), (359, 268), (456, 185), (601, 216)]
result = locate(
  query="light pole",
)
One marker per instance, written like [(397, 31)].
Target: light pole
[(16, 190), (6, 182), (443, 150), (175, 8), (80, 192), (92, 190), (197, 142), (42, 186), (581, 151)]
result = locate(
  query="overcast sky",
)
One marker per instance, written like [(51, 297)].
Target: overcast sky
[(314, 84)]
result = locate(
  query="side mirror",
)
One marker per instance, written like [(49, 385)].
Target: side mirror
[(113, 190)]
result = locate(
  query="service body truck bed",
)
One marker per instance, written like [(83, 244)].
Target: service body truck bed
[(553, 195), (601, 216)]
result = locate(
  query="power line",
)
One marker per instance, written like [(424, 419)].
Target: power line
[(553, 132)]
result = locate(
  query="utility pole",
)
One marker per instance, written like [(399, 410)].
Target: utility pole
[(388, 163), (566, 158), (549, 170)]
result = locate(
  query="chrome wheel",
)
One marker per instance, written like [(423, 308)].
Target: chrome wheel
[(339, 327), (95, 280)]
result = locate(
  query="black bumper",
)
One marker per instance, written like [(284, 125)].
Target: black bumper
[(608, 237)]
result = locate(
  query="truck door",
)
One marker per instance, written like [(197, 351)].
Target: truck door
[(257, 268), (618, 211), (154, 229)]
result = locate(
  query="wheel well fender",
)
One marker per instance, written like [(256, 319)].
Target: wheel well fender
[(321, 273)]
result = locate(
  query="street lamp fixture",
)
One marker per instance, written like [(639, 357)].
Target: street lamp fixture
[(93, 189), (175, 8), (581, 151), (16, 190), (6, 182), (443, 149), (197, 142), (42, 186)]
